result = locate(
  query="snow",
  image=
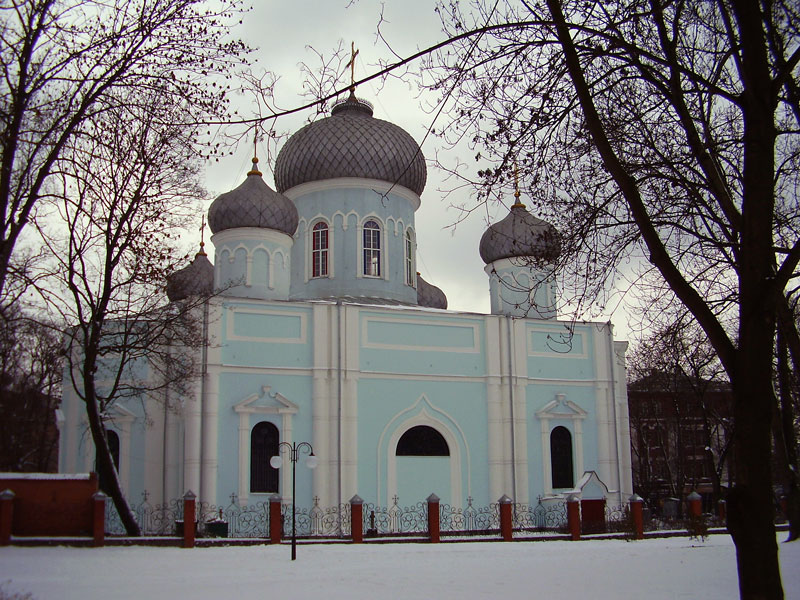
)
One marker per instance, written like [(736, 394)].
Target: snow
[(653, 568), (47, 476)]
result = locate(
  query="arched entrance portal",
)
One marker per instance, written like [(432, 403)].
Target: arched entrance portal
[(423, 465)]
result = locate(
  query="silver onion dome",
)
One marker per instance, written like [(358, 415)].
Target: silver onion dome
[(253, 204), (351, 143), (520, 234), (195, 279), (429, 295)]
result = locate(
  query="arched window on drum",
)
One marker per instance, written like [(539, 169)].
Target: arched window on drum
[(372, 249), (319, 250)]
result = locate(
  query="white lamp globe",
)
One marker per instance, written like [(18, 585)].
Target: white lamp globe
[(276, 462), (312, 461)]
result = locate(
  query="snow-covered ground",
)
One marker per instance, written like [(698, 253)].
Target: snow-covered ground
[(654, 569)]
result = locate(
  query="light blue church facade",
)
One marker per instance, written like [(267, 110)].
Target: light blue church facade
[(323, 332)]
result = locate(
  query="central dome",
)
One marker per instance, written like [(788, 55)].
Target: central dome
[(351, 143)]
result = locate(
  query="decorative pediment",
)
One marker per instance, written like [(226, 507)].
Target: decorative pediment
[(591, 487), (266, 402), (117, 413), (561, 408)]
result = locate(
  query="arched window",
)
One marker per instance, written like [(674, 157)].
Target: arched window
[(422, 441), (372, 249), (410, 270), (561, 458), (263, 446), (319, 250)]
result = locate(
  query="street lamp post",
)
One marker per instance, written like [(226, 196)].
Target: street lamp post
[(294, 449)]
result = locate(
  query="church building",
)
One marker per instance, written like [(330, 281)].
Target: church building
[(322, 331)]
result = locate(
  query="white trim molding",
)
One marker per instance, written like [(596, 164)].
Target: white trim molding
[(565, 410), (279, 405)]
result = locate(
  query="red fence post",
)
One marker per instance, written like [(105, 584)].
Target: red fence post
[(99, 518), (505, 518), (433, 518), (6, 516), (695, 504), (636, 513), (357, 519), (574, 517), (721, 510), (275, 524), (189, 504)]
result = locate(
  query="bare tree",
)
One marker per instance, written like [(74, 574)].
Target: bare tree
[(63, 62), (119, 198), (681, 410), (30, 381), (659, 134)]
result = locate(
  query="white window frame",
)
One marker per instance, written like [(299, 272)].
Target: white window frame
[(377, 234), (411, 271), (326, 252)]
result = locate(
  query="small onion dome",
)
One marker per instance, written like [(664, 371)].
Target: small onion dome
[(429, 295), (253, 204), (351, 143), (195, 279), (520, 234)]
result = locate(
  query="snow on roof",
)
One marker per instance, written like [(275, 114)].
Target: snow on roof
[(71, 476)]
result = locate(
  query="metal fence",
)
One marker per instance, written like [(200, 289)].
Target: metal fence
[(252, 521)]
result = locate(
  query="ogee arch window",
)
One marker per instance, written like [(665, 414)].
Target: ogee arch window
[(561, 458), (264, 440)]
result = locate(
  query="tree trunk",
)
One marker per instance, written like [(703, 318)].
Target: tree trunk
[(785, 445), (750, 504), (105, 462)]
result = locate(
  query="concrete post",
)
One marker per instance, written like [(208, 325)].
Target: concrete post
[(6, 516), (695, 504), (99, 518), (275, 524), (506, 528), (433, 518), (636, 506), (574, 517), (189, 503), (357, 519)]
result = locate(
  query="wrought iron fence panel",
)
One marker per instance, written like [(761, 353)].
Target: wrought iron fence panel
[(246, 521), (160, 519), (414, 518), (330, 521), (618, 518), (378, 519), (451, 518), (551, 515), (302, 519), (395, 519), (113, 524), (484, 518)]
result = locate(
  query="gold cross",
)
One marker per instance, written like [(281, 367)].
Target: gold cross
[(516, 185), (254, 170), (352, 65), (202, 236)]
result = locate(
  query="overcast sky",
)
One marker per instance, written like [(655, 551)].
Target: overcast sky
[(282, 31)]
